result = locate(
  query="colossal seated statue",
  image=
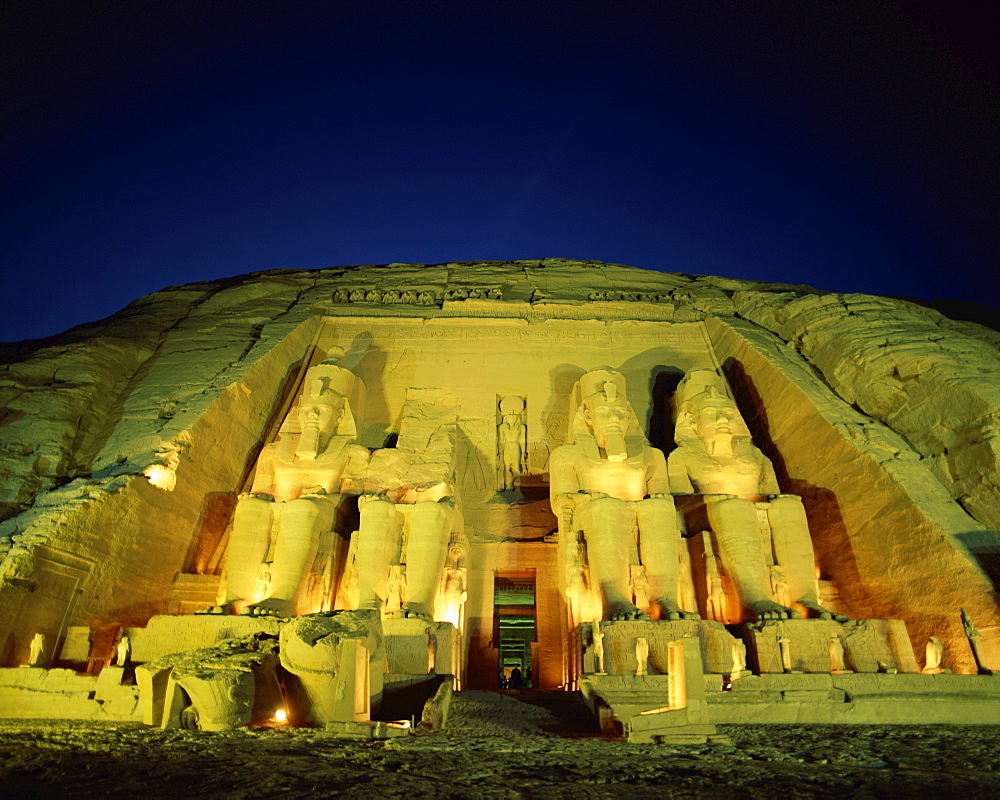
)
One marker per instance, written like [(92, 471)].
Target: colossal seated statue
[(407, 515), (294, 498), (716, 459), (608, 484)]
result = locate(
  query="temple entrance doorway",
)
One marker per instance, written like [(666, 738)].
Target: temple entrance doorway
[(514, 628)]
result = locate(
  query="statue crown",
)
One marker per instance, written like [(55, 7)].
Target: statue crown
[(329, 381), (609, 383)]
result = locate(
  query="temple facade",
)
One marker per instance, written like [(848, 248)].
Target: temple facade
[(554, 474)]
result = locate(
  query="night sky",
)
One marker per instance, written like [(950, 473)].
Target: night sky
[(852, 146)]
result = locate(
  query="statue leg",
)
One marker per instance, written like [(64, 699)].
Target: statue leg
[(734, 521), (378, 544), (302, 522), (793, 550), (426, 548), (659, 542), (248, 544), (606, 523)]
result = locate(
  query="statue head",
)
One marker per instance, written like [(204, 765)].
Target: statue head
[(511, 408), (324, 408), (714, 416), (320, 409), (456, 552), (604, 411), (706, 412)]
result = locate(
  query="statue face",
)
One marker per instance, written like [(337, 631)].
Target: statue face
[(320, 414), (605, 417), (714, 419)]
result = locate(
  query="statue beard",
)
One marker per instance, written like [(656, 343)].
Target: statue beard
[(720, 444), (308, 446), (614, 445)]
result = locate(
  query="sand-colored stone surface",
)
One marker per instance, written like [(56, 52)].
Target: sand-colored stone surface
[(124, 444), (498, 746), (895, 361)]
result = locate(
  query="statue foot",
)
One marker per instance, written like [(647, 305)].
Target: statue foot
[(272, 607), (768, 610), (624, 611), (817, 611), (414, 611), (371, 604), (671, 611), (224, 608)]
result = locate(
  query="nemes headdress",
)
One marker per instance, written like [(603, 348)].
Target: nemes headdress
[(602, 383), (701, 386), (330, 381), (604, 380)]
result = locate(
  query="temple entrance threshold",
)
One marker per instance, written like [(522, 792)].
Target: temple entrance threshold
[(514, 626)]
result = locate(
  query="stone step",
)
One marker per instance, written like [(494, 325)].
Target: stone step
[(519, 713), (573, 715)]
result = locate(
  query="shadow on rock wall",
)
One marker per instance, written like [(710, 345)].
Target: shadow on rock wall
[(831, 541)]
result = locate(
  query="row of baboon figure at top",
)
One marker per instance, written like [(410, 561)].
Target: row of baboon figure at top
[(615, 497)]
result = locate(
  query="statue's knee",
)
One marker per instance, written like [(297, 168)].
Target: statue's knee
[(436, 514), (731, 507), (787, 504), (254, 504), (730, 502), (307, 505), (376, 511), (657, 505), (305, 509), (606, 506)]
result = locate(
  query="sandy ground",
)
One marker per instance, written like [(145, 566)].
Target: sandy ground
[(496, 746)]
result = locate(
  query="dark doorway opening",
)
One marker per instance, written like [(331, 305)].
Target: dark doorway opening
[(514, 628)]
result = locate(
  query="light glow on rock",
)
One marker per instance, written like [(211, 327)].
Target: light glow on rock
[(161, 476)]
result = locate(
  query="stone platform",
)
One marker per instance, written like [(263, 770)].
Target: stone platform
[(33, 693), (620, 639), (166, 634), (850, 698), (337, 666), (808, 671), (869, 645)]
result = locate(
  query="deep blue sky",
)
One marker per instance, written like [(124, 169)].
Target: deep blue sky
[(852, 146)]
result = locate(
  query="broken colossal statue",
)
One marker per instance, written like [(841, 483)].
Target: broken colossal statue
[(293, 502), (610, 492), (407, 511), (716, 459)]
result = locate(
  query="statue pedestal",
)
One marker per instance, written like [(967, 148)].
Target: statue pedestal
[(620, 638), (418, 647), (870, 645), (165, 635), (424, 662), (338, 661), (679, 712)]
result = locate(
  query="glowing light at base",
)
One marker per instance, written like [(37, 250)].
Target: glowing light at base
[(280, 715), (452, 613)]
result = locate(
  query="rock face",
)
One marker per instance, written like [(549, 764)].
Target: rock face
[(896, 362), (124, 443)]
